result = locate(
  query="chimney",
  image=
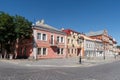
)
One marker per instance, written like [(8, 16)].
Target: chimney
[(62, 29), (40, 22)]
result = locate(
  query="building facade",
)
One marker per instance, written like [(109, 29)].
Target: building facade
[(99, 48), (92, 47), (89, 47), (108, 42), (74, 43), (47, 42)]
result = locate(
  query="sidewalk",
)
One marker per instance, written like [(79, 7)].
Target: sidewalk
[(66, 62)]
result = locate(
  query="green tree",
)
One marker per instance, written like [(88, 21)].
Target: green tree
[(12, 30), (23, 29), (6, 31)]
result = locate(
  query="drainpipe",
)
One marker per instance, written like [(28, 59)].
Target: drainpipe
[(34, 44), (66, 46), (104, 51)]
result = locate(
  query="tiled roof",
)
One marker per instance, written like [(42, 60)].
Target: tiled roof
[(67, 31), (87, 38), (95, 33)]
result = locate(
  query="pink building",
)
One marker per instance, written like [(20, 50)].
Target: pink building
[(48, 42)]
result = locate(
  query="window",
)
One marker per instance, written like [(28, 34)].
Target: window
[(39, 36), (44, 37), (60, 51), (68, 50), (68, 41), (52, 39), (58, 39), (39, 51), (62, 40), (72, 51), (42, 51), (75, 51), (71, 41), (87, 46), (77, 41)]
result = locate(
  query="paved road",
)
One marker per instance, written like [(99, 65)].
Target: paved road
[(66, 62), (109, 71)]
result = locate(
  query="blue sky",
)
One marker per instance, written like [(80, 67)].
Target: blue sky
[(80, 15)]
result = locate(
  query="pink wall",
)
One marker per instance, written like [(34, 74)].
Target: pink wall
[(25, 48), (51, 50)]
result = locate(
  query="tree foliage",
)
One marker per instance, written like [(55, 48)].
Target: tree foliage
[(22, 27), (11, 29)]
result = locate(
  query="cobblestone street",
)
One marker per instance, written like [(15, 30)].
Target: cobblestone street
[(63, 70), (66, 62)]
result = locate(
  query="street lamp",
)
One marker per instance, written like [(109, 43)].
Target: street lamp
[(81, 41), (104, 52), (80, 58)]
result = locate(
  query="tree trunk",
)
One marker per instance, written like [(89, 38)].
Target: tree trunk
[(16, 47), (15, 51), (10, 56), (5, 54), (0, 55), (1, 50)]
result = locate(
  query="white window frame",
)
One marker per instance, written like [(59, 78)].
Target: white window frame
[(71, 41), (68, 41), (41, 38), (53, 39), (42, 51), (45, 37), (72, 51), (60, 51), (62, 41), (58, 39)]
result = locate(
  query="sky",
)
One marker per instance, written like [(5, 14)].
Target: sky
[(79, 15)]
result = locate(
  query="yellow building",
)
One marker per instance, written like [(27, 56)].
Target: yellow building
[(74, 43)]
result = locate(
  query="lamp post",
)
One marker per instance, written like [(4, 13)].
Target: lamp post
[(80, 58), (81, 41), (104, 52)]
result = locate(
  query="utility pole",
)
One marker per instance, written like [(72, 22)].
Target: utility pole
[(81, 43), (104, 52), (80, 59)]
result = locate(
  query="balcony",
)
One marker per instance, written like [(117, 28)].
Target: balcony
[(53, 43)]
